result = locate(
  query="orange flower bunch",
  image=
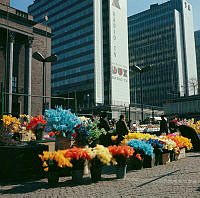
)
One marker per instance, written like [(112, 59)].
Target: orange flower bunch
[(182, 141), (57, 156), (35, 122), (125, 151), (177, 141), (77, 153)]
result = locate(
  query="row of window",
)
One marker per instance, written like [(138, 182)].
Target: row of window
[(69, 37), (157, 20), (73, 80), (74, 61), (67, 19), (55, 8), (72, 71), (73, 26), (75, 52)]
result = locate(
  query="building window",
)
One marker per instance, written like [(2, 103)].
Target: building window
[(14, 84), (189, 7), (185, 4)]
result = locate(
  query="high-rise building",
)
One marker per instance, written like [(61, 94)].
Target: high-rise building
[(162, 37), (197, 47), (91, 43), (21, 76)]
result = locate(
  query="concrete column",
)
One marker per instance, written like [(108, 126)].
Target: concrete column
[(30, 41), (11, 72)]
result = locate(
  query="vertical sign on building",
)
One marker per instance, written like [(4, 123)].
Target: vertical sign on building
[(120, 92)]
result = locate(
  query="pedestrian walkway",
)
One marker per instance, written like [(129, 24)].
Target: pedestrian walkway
[(176, 179)]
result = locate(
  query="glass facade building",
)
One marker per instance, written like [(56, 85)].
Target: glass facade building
[(162, 37), (197, 47), (81, 40), (73, 43)]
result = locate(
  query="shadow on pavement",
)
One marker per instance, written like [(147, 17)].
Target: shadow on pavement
[(24, 187), (157, 178), (194, 156)]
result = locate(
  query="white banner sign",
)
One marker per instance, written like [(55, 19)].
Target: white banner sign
[(120, 92)]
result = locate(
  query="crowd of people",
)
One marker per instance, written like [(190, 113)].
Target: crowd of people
[(122, 128)]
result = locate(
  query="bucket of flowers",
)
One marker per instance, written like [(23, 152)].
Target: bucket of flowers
[(141, 148), (121, 154), (53, 162), (64, 124), (37, 125), (12, 126), (158, 146), (78, 157), (100, 156)]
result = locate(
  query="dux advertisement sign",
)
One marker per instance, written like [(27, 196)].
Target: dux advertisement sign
[(120, 94)]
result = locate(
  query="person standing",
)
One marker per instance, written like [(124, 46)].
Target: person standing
[(104, 140), (163, 126), (121, 129)]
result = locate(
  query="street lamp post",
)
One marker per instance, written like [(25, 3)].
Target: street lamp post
[(140, 70), (88, 96), (37, 56)]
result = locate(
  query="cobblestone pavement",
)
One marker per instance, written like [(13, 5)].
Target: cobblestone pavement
[(176, 179)]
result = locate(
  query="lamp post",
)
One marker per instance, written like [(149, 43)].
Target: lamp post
[(88, 96), (37, 56), (135, 68)]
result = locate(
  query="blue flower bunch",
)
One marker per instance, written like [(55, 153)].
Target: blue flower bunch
[(142, 145), (62, 120), (83, 132), (156, 144)]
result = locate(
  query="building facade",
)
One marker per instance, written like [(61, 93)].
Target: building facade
[(197, 47), (183, 107), (162, 37), (21, 76), (91, 43)]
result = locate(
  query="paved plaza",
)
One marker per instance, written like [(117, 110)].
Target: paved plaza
[(176, 179)]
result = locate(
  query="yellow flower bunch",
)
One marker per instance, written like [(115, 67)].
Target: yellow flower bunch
[(11, 122), (25, 116), (185, 141), (102, 153), (138, 136), (84, 120), (58, 156)]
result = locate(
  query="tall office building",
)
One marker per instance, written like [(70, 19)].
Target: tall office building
[(91, 42), (162, 37), (197, 47)]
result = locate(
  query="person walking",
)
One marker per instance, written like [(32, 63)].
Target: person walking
[(163, 126), (121, 129)]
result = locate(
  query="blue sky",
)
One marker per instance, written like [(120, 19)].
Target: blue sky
[(134, 6)]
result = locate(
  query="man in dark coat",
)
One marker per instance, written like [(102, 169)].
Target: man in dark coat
[(190, 133), (121, 129), (163, 126), (104, 140)]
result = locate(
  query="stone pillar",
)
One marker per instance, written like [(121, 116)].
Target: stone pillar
[(30, 41), (11, 72)]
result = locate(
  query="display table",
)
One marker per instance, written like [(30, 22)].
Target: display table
[(21, 162), (49, 143)]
